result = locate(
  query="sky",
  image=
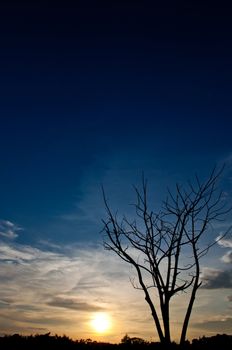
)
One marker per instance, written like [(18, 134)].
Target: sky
[(98, 93)]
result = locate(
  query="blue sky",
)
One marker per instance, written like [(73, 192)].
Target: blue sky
[(97, 93)]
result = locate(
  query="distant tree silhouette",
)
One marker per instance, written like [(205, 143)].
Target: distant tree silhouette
[(133, 340), (165, 248), (218, 341)]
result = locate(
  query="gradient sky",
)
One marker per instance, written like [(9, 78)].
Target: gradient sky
[(97, 93)]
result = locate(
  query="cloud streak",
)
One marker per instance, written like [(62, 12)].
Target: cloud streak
[(8, 229), (227, 258), (219, 325), (216, 279), (224, 242), (73, 304)]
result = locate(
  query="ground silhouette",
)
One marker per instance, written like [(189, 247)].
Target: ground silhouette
[(52, 342)]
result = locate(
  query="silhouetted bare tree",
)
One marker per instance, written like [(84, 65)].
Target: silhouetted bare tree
[(165, 248)]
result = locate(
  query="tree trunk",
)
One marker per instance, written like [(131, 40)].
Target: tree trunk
[(188, 312), (166, 323)]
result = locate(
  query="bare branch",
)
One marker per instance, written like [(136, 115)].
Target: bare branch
[(165, 247)]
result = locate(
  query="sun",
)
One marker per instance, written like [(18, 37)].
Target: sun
[(100, 322)]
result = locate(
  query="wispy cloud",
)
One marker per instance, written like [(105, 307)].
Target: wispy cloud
[(73, 304), (224, 242), (216, 279), (227, 258), (8, 229), (219, 325)]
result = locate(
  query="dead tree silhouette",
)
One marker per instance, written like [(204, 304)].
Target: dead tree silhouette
[(165, 248)]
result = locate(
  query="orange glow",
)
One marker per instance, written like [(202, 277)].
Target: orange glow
[(101, 322)]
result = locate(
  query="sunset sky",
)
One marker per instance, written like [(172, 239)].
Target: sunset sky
[(95, 94)]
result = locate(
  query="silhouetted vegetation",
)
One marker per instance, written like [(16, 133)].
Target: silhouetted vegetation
[(52, 342)]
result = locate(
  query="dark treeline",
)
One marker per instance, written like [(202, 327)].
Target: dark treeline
[(52, 342)]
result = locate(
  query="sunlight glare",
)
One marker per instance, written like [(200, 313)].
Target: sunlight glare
[(100, 322)]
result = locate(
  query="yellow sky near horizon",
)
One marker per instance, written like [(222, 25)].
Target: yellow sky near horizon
[(60, 292)]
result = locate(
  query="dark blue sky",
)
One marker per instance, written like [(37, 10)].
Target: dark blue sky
[(98, 92)]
